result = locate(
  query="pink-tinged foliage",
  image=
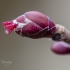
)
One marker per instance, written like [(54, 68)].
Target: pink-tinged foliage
[(35, 25), (39, 27)]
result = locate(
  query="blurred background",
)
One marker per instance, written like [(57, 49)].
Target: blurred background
[(18, 53)]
